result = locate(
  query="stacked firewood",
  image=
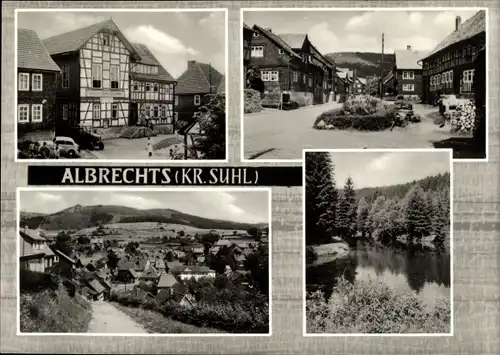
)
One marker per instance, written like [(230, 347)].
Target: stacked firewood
[(462, 120)]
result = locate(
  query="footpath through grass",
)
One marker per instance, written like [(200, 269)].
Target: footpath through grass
[(372, 307), (155, 322)]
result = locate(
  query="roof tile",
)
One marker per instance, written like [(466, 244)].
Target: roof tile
[(31, 53), (197, 79)]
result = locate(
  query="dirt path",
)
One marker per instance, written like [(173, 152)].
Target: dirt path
[(108, 319)]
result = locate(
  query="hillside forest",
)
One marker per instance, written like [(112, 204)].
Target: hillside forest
[(413, 216)]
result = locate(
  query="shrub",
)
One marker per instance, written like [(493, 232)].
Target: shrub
[(372, 307), (364, 113), (32, 281), (252, 101), (52, 311)]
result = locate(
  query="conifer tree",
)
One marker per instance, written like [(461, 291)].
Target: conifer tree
[(416, 214), (320, 197), (373, 217), (363, 213), (347, 212)]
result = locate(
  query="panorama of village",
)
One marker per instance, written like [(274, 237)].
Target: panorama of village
[(121, 85), (364, 79), (118, 269)]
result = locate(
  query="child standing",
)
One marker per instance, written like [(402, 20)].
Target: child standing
[(149, 148)]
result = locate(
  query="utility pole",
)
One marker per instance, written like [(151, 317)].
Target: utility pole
[(382, 70)]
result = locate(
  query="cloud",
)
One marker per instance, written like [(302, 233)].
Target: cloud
[(158, 40), (359, 21), (48, 198), (323, 37), (382, 163)]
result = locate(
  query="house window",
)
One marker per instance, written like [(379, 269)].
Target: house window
[(114, 111), (96, 110), (36, 113), (281, 51), (267, 75), (468, 76), (96, 75), (310, 80), (22, 113), (36, 82), (114, 76), (256, 34), (155, 111), (155, 87), (408, 75), (176, 102), (295, 76), (197, 100), (304, 78), (163, 110), (148, 87), (257, 51), (105, 40), (24, 82), (408, 87), (136, 87), (176, 116), (65, 112), (65, 76)]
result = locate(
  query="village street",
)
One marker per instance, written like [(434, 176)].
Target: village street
[(274, 134), (106, 318), (123, 148)]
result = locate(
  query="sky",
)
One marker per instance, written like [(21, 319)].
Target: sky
[(236, 206), (372, 169), (173, 37), (361, 31)]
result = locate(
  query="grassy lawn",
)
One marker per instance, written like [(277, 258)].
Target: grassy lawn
[(372, 307), (155, 322)]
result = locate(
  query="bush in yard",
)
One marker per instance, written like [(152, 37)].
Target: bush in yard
[(32, 281), (252, 101), (52, 311), (372, 307), (364, 113)]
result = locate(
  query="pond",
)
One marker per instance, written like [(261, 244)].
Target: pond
[(426, 274)]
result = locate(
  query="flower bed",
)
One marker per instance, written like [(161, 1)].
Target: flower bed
[(463, 119), (363, 113)]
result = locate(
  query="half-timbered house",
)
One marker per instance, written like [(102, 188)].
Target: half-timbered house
[(94, 86), (247, 41), (291, 67), (449, 68), (151, 91), (36, 83)]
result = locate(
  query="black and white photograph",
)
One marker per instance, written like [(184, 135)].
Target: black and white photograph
[(378, 242), (391, 78), (144, 261), (126, 85)]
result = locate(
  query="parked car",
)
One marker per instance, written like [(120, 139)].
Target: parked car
[(402, 103), (83, 136), (68, 147)]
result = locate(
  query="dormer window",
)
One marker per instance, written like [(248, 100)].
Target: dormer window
[(105, 40), (256, 34), (281, 51)]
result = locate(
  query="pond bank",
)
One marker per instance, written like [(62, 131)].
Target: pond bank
[(320, 254)]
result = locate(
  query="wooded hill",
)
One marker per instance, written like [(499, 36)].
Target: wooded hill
[(79, 217), (430, 183), (365, 63)]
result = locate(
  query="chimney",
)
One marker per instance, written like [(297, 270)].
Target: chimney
[(25, 228), (191, 63), (408, 47), (458, 22), (268, 29)]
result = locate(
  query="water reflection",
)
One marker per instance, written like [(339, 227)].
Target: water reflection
[(426, 274)]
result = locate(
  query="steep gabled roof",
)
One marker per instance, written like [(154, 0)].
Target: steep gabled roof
[(72, 41), (199, 78), (277, 40), (150, 272), (408, 59), (31, 53), (148, 58), (166, 280), (362, 80), (96, 286), (294, 40), (245, 26), (33, 234), (473, 26)]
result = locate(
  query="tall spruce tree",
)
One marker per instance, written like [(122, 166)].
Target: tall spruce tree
[(320, 198), (373, 217), (362, 217), (417, 214), (347, 212)]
